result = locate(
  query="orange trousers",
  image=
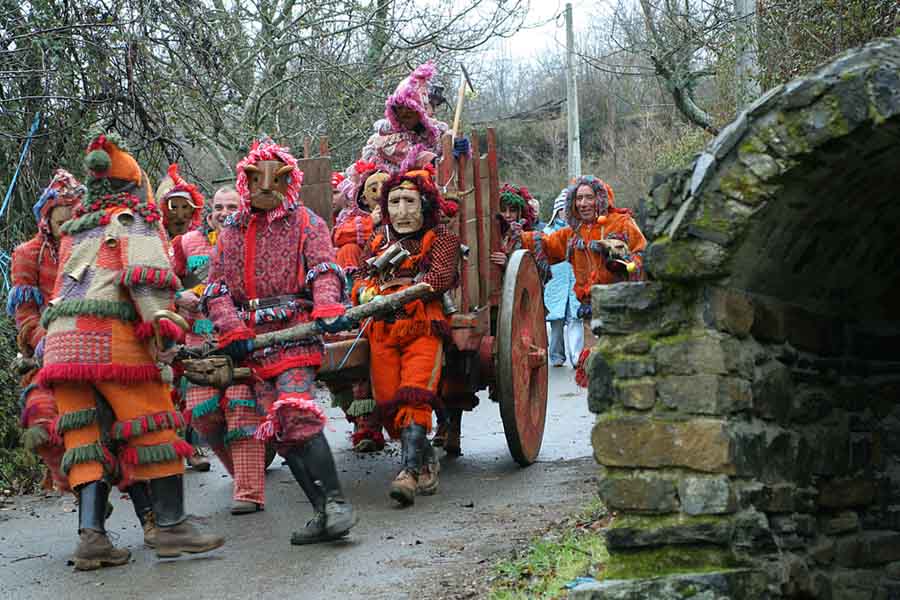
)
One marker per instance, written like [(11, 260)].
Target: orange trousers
[(405, 378), (148, 446)]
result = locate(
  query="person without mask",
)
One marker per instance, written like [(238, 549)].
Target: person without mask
[(602, 242)]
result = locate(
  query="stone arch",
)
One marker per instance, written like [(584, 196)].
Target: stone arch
[(748, 398)]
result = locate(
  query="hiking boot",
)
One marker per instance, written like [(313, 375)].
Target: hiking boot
[(428, 474), (244, 507), (198, 461), (150, 530), (403, 488), (175, 533), (315, 532), (184, 537), (339, 516), (95, 551)]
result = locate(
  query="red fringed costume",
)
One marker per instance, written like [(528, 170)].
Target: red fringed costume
[(34, 268)]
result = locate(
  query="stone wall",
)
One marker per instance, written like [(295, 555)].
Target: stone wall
[(748, 398)]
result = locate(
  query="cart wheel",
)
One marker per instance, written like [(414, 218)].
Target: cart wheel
[(270, 455), (521, 360)]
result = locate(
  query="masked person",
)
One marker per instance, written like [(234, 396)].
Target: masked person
[(602, 242), (104, 341), (515, 207), (34, 267), (353, 228), (272, 256), (182, 216), (409, 136), (407, 349)]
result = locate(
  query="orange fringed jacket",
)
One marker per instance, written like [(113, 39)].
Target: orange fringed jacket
[(572, 245)]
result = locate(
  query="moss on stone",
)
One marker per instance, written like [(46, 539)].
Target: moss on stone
[(652, 522), (668, 560), (742, 185)]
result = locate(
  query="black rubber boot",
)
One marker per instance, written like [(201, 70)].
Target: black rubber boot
[(176, 534), (95, 551), (314, 532), (143, 508), (403, 488), (318, 463)]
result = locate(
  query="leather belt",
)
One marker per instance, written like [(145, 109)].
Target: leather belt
[(273, 301)]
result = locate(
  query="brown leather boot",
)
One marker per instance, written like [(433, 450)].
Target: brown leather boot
[(403, 488), (150, 530), (428, 474), (95, 551), (184, 537), (175, 533)]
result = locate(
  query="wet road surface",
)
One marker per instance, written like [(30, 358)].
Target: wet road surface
[(485, 506)]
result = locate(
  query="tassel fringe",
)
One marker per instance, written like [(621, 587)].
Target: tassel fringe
[(123, 311), (75, 420), (361, 408), (145, 455)]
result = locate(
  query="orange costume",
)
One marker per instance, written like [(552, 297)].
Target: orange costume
[(573, 243), (407, 348), (585, 246)]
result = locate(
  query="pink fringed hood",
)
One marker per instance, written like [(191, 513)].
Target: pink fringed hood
[(413, 93), (269, 150)]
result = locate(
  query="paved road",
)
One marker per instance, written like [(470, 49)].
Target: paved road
[(486, 504)]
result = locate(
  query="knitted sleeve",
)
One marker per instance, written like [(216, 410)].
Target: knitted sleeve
[(147, 273), (553, 245), (324, 277), (25, 298), (443, 261), (217, 303), (179, 260)]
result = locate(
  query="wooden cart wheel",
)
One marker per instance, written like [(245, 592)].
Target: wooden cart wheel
[(521, 360)]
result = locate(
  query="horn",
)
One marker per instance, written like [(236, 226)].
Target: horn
[(251, 169), (284, 170)]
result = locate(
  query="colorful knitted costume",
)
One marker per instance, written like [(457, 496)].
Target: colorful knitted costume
[(114, 276), (407, 351), (34, 267), (573, 244), (284, 257), (396, 149)]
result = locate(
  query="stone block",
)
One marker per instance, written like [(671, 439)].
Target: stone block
[(752, 533), (810, 403), (765, 452), (600, 382), (706, 495), (685, 260), (768, 320), (689, 355), (698, 444), (813, 333), (846, 493), (634, 307), (638, 394), (704, 394), (626, 368), (842, 522), (730, 311), (772, 391), (736, 584), (645, 494), (631, 533), (823, 551), (868, 548), (742, 356)]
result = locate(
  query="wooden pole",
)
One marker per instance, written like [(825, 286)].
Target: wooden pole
[(459, 105), (481, 238), (462, 215), (496, 272), (574, 132)]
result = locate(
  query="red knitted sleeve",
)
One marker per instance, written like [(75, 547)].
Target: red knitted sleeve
[(443, 258)]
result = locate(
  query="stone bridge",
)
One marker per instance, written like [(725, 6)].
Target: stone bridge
[(748, 398)]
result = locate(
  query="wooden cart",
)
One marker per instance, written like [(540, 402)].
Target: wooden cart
[(499, 336)]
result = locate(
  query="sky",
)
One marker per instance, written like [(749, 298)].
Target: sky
[(544, 33)]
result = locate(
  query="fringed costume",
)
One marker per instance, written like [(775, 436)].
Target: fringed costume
[(407, 349), (114, 277), (34, 268), (273, 268), (583, 245)]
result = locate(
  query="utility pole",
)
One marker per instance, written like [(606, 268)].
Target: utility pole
[(574, 133), (746, 66)]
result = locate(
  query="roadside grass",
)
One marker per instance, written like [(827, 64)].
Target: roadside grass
[(570, 549)]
